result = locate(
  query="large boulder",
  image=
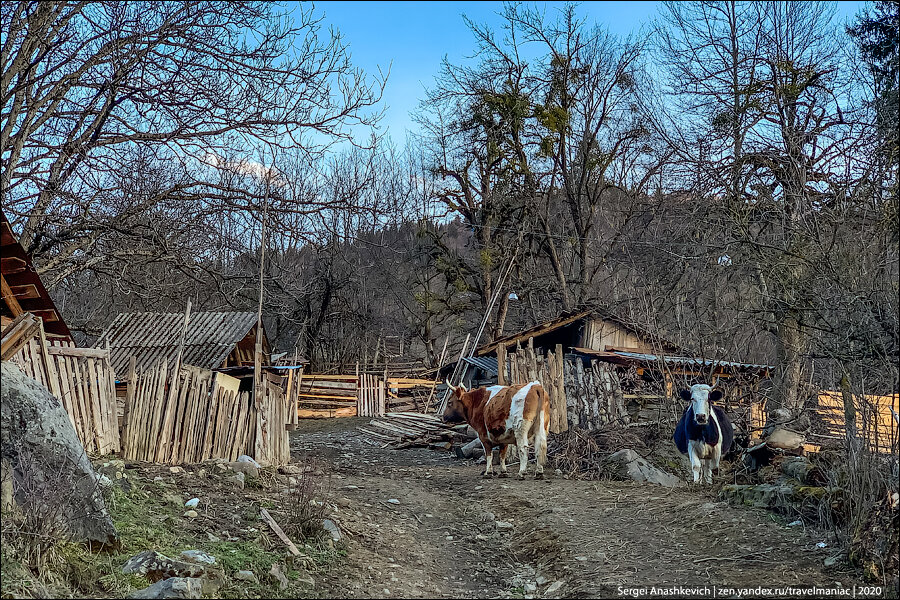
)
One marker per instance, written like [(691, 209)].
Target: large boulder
[(52, 475), (629, 465)]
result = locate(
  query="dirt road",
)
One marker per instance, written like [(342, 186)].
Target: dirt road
[(423, 524)]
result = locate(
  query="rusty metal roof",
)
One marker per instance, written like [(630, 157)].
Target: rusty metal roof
[(150, 337), (625, 357)]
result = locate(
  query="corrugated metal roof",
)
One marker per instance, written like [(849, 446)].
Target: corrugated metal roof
[(675, 360), (485, 363), (693, 362), (149, 337)]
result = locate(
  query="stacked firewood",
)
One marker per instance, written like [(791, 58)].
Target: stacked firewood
[(410, 429)]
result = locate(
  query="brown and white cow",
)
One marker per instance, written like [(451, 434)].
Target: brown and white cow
[(504, 415)]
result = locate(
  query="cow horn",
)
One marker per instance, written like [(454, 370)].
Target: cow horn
[(450, 385)]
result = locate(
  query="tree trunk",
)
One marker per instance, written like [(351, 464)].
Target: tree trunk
[(790, 345)]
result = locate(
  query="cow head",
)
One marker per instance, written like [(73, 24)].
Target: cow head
[(701, 397), (455, 411)]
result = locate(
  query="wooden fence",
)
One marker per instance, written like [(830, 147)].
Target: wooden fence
[(526, 365), (272, 410), (203, 415), (363, 394), (81, 378), (876, 419)]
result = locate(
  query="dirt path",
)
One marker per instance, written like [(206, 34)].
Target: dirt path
[(452, 534)]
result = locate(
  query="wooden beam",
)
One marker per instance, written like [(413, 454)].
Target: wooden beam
[(82, 352), (12, 264), (10, 298), (278, 531), (27, 291), (17, 334)]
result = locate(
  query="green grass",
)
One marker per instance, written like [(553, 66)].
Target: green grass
[(146, 521)]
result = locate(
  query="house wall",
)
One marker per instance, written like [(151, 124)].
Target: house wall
[(599, 333)]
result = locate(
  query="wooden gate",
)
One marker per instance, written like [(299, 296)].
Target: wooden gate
[(371, 396)]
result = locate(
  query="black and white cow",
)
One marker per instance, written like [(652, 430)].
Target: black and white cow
[(704, 432)]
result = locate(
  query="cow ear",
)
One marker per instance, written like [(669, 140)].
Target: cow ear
[(685, 395), (715, 395)]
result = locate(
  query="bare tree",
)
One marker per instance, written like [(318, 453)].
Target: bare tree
[(93, 92)]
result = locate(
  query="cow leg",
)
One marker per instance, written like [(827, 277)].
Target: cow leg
[(695, 463), (707, 471), (503, 449), (488, 457), (540, 448), (522, 443), (716, 457)]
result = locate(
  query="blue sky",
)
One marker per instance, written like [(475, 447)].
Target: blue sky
[(411, 38)]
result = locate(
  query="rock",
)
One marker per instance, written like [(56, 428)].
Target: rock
[(503, 525), (244, 468), (246, 576), (201, 473), (343, 502), (832, 561), (247, 459), (554, 587), (332, 529), (155, 566), (238, 478), (541, 580), (304, 577), (775, 496), (631, 466), (192, 503), (197, 556), (176, 470), (784, 439), (44, 454), (530, 588), (290, 469), (279, 576), (173, 587), (191, 514), (213, 538), (393, 501)]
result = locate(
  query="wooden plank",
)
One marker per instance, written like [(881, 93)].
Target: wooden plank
[(12, 264), (157, 430), (186, 385), (279, 532), (379, 434), (305, 395), (97, 410), (79, 371), (79, 352), (66, 390), (325, 413), (26, 291), (9, 297)]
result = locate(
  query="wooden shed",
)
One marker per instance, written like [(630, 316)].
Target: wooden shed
[(212, 340), (593, 328)]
